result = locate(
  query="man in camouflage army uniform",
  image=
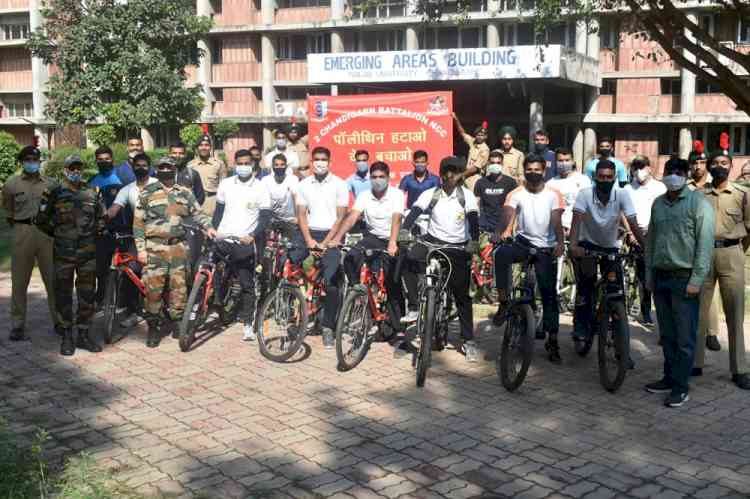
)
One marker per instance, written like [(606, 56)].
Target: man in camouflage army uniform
[(161, 242), (73, 214), (211, 170)]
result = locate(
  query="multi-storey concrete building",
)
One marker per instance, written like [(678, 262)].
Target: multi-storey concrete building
[(255, 72)]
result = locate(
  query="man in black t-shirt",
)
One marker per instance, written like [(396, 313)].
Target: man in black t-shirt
[(491, 191)]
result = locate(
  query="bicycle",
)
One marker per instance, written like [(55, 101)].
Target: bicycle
[(215, 286), (566, 282), (517, 348), (364, 313), (631, 282), (119, 273), (482, 275), (272, 263)]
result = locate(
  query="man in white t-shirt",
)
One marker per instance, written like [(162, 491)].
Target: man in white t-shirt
[(243, 209), (536, 210), (282, 147), (569, 182), (453, 219), (281, 186), (643, 191), (596, 222), (322, 202)]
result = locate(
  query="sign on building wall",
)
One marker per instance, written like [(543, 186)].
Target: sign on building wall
[(391, 127), (521, 61)]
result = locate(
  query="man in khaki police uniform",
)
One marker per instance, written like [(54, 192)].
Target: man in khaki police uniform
[(211, 170), (479, 153), (21, 196), (298, 144), (731, 205)]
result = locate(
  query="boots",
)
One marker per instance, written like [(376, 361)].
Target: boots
[(154, 335), (85, 342), (175, 325), (67, 346), (553, 349)]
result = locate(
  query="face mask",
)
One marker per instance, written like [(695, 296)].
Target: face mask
[(320, 167), (605, 187), (141, 173), (72, 176), (165, 175), (719, 174), (31, 166), (244, 171), (564, 167), (104, 166), (362, 166), (281, 143), (533, 178), (379, 184), (673, 182), (642, 175), (494, 168), (540, 148), (420, 167), (132, 154), (605, 153), (181, 162), (279, 172)]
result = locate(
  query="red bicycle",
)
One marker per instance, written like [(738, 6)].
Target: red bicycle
[(120, 273), (365, 313)]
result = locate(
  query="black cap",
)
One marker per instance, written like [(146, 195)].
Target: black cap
[(676, 163), (29, 151), (205, 138), (452, 163)]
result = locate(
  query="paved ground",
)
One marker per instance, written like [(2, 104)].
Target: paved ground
[(221, 421)]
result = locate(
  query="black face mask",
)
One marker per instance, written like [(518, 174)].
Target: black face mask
[(165, 175), (604, 187), (181, 162), (533, 178), (540, 148), (104, 166), (719, 174), (141, 173), (605, 153), (279, 172)]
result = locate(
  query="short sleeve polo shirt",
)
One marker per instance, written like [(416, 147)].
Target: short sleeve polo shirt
[(321, 198), (243, 202), (378, 213), (599, 221), (448, 219)]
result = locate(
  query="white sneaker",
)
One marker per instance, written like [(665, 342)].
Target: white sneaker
[(129, 321), (412, 316), (249, 333)]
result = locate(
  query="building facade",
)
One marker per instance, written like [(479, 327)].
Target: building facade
[(255, 71)]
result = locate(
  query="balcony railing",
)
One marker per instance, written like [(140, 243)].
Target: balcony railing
[(235, 72), (14, 4), (297, 15), (15, 80), (14, 32), (291, 70)]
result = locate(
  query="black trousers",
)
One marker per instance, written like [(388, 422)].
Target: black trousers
[(586, 276), (243, 263), (645, 294), (458, 284)]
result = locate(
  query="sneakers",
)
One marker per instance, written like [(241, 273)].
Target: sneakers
[(328, 339), (712, 343), (410, 317), (84, 342), (249, 332), (676, 399), (471, 350), (553, 348), (129, 321), (741, 380), (67, 345), (696, 371), (17, 334), (660, 386), (401, 349), (646, 321)]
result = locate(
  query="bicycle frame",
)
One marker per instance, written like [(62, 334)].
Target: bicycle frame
[(481, 270), (375, 300), (311, 280), (120, 261)]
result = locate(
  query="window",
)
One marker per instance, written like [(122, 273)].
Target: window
[(295, 4), (14, 31), (383, 8), (671, 86), (451, 38), (562, 34), (296, 47), (525, 34), (218, 94), (609, 87), (20, 108), (217, 46), (669, 140), (165, 136), (379, 41), (216, 6), (300, 93), (743, 31), (739, 139), (609, 33), (703, 87), (510, 34), (319, 43)]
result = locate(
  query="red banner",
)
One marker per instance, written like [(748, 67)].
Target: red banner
[(391, 127)]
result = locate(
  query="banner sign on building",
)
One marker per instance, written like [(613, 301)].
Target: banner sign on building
[(391, 127), (521, 61)]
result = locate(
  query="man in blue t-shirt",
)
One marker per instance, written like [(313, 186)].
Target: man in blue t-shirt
[(541, 147), (359, 181), (125, 170), (606, 151), (421, 180)]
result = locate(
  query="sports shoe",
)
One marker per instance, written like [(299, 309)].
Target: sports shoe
[(660, 386), (17, 334), (129, 321), (410, 317), (553, 348), (471, 351), (712, 343), (696, 371), (249, 332), (401, 350), (328, 339), (741, 380), (676, 399)]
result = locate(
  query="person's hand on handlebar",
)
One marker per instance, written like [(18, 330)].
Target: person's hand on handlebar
[(142, 257), (577, 251), (211, 233), (392, 248), (247, 240)]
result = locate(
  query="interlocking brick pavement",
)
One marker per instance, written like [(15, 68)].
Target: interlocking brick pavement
[(221, 421)]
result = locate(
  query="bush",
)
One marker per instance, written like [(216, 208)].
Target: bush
[(23, 473), (54, 166), (102, 135), (190, 135), (223, 129), (9, 150)]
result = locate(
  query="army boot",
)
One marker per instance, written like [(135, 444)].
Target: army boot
[(85, 342), (154, 335), (175, 325), (67, 346)]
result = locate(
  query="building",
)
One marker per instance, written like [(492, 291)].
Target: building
[(255, 72)]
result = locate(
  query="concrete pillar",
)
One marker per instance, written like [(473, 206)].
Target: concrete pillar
[(493, 35), (39, 78), (148, 141), (493, 6), (589, 134), (592, 40), (267, 11), (581, 37), (203, 8), (579, 132), (337, 42), (268, 73), (687, 92), (412, 38), (686, 143), (536, 111)]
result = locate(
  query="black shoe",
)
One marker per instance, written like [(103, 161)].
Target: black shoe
[(540, 334), (712, 343), (630, 364), (154, 336), (67, 346), (646, 321), (59, 330), (84, 342), (17, 334), (741, 380), (676, 399), (660, 386), (553, 349), (174, 326), (696, 371)]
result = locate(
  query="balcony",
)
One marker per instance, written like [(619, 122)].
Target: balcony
[(14, 4), (15, 80), (291, 70), (236, 102), (669, 104), (192, 75), (296, 108), (298, 15), (235, 72), (605, 104), (714, 103), (237, 13)]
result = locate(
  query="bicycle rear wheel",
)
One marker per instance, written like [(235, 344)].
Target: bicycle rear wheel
[(425, 332), (281, 323), (612, 350), (195, 314), (111, 298), (566, 292), (517, 347), (352, 330)]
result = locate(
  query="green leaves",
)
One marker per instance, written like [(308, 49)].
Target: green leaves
[(190, 135), (9, 150)]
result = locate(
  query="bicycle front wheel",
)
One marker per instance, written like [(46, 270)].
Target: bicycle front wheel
[(195, 313), (612, 347), (566, 288), (425, 332), (517, 347), (281, 323), (352, 329), (111, 299)]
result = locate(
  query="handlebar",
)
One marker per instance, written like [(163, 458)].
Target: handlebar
[(118, 236), (611, 256)]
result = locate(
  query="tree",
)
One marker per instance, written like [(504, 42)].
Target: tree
[(190, 135), (223, 129), (123, 62), (9, 150), (102, 135)]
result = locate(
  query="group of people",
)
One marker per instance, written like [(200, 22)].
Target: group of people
[(692, 231)]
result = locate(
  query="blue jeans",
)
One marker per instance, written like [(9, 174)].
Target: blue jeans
[(677, 315)]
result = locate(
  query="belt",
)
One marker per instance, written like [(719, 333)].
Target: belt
[(726, 243), (27, 221), (210, 194), (676, 273)]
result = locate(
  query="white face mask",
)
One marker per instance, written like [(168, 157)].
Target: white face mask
[(642, 175), (494, 168), (244, 171), (320, 167), (674, 182)]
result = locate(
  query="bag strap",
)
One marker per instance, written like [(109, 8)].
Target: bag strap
[(439, 192)]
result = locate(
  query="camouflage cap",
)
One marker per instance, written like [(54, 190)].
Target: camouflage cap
[(71, 160), (167, 160)]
